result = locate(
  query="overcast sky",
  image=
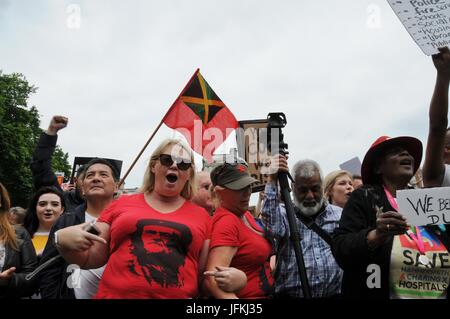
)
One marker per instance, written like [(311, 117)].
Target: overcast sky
[(344, 72)]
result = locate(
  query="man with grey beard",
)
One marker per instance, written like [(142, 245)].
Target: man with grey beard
[(324, 275)]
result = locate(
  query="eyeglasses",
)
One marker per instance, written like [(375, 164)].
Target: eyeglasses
[(168, 160)]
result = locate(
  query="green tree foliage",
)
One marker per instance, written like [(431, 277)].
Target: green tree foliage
[(19, 133), (60, 162)]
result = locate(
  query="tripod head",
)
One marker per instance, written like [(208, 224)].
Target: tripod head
[(275, 137)]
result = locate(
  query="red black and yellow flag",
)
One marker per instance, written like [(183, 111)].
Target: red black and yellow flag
[(198, 106)]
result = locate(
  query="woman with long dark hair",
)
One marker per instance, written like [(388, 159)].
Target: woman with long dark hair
[(44, 209)]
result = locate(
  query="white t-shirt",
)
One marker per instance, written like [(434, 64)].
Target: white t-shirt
[(446, 180), (89, 278)]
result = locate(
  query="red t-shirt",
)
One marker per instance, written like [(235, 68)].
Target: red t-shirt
[(153, 255), (253, 254)]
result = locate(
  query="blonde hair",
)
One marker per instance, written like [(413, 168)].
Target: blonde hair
[(330, 180), (7, 232), (215, 198), (149, 177)]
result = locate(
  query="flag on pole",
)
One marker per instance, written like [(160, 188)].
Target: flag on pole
[(201, 116)]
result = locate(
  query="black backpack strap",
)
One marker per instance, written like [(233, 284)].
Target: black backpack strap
[(311, 224)]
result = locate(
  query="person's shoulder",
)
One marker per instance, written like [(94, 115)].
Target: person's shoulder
[(333, 209), (224, 215), (78, 212), (21, 232), (192, 207), (366, 191), (127, 198)]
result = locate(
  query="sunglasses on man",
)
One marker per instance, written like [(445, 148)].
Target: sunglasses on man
[(168, 160)]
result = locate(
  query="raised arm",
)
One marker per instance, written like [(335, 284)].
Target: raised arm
[(434, 166), (41, 165)]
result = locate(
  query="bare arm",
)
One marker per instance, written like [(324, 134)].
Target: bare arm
[(434, 168), (219, 257), (203, 258), (229, 279), (77, 246)]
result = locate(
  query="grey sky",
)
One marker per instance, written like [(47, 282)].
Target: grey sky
[(341, 80)]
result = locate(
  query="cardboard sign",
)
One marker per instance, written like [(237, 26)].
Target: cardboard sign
[(352, 166), (80, 161), (251, 137), (427, 21), (428, 206)]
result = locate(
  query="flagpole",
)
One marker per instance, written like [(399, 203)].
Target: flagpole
[(154, 132), (140, 153)]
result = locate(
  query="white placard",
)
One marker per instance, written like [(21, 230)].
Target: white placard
[(427, 21), (428, 206)]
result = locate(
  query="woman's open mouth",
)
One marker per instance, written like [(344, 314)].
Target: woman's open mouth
[(406, 162), (171, 178)]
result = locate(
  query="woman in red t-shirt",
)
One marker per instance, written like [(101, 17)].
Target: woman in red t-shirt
[(236, 239), (154, 243)]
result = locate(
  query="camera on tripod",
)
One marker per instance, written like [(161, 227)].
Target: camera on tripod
[(275, 138)]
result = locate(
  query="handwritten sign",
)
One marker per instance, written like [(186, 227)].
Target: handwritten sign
[(428, 206), (427, 21), (251, 138)]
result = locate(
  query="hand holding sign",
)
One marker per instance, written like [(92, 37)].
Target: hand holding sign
[(442, 62)]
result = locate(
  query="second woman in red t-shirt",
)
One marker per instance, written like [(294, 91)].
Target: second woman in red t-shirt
[(236, 239)]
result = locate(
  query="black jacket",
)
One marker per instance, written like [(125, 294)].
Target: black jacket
[(350, 246), (41, 168), (25, 261), (53, 278)]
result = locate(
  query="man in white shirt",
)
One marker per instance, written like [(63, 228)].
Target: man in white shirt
[(60, 280)]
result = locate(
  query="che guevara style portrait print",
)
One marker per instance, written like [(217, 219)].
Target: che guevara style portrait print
[(159, 249)]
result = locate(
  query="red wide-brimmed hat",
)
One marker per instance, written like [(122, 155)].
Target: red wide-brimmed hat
[(411, 144)]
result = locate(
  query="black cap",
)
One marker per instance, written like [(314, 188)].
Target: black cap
[(232, 176)]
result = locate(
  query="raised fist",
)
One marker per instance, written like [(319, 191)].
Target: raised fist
[(57, 123)]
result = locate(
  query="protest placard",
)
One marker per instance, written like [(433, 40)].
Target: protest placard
[(428, 206), (251, 137), (427, 21)]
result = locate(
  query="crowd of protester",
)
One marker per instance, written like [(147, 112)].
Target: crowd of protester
[(190, 234)]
